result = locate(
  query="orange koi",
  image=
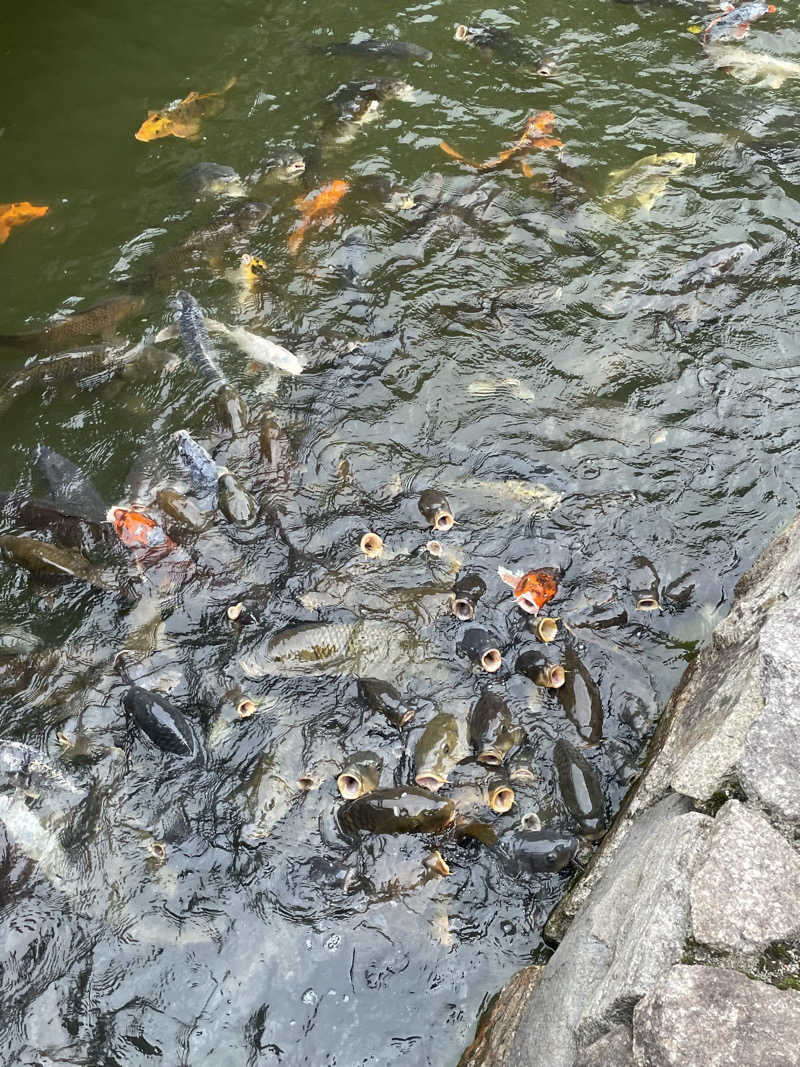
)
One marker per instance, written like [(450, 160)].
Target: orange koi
[(12, 215), (532, 590), (184, 118), (137, 530), (535, 135), (316, 207)]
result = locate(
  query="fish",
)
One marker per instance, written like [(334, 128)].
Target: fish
[(360, 102), (98, 321), (376, 47), (407, 810), (284, 164), (317, 208), (490, 732), (181, 509), (490, 39), (69, 486), (137, 530), (383, 698), (213, 179), (479, 645), (229, 227), (12, 215), (31, 769), (535, 665), (580, 789), (38, 843), (68, 528), (535, 135), (756, 68), (734, 23), (580, 698), (165, 724), (49, 561), (467, 591), (200, 466), (184, 118), (434, 507), (644, 181), (358, 649), (231, 409), (196, 341), (260, 349), (532, 590), (536, 851), (438, 750), (360, 775), (235, 503)]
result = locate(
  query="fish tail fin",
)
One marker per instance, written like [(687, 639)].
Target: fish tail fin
[(508, 577), (450, 151)]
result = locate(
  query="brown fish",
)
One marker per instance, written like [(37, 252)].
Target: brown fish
[(98, 321), (184, 118), (48, 561)]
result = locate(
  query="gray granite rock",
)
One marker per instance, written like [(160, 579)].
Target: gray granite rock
[(746, 893), (770, 766), (712, 1017), (614, 1049), (632, 928)]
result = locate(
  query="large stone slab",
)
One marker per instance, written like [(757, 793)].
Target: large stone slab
[(770, 766), (746, 893), (712, 1017), (632, 928), (614, 1049)]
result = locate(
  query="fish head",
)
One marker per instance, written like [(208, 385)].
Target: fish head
[(156, 125), (137, 530), (253, 267), (534, 590)]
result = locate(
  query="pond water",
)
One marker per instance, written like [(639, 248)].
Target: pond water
[(534, 341)]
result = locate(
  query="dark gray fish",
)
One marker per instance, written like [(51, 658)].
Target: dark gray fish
[(489, 39), (407, 810), (231, 409), (283, 164), (375, 47), (200, 467), (68, 526), (213, 179), (536, 851), (195, 338), (580, 789), (48, 561), (70, 487), (165, 725), (580, 698), (235, 503), (229, 228), (383, 698)]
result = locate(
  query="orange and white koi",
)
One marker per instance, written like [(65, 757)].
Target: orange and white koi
[(532, 590), (316, 207), (184, 118), (137, 530), (535, 135), (12, 215)]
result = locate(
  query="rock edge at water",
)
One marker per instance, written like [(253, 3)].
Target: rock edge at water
[(680, 943)]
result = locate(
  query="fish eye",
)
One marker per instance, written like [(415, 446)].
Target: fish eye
[(552, 857)]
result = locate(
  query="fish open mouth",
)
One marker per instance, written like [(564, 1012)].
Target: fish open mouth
[(297, 167), (490, 757), (245, 708), (235, 610), (436, 864), (491, 660), (434, 547), (547, 630), (555, 676), (647, 603), (527, 603), (463, 609), (501, 799), (371, 545), (430, 781), (349, 786), (443, 521), (461, 33)]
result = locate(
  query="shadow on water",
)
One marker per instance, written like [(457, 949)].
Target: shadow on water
[(596, 386)]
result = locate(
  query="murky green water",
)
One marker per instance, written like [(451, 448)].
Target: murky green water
[(510, 329)]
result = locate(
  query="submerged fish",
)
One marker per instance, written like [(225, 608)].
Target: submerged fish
[(196, 341), (536, 851), (757, 68), (183, 119), (532, 590), (283, 164), (644, 182), (239, 220), (260, 349), (100, 320), (40, 844), (18, 214), (317, 208), (69, 486), (360, 649), (213, 179), (580, 789), (48, 561), (200, 466), (535, 135), (375, 47), (358, 103), (735, 22), (490, 39), (407, 810)]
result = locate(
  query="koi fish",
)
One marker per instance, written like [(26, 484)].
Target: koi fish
[(533, 136), (316, 207), (137, 530), (735, 21), (532, 590), (184, 118), (12, 215), (753, 67)]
